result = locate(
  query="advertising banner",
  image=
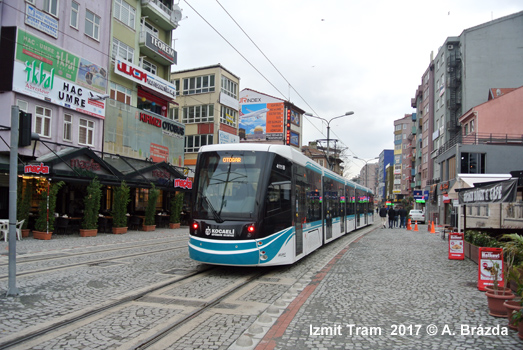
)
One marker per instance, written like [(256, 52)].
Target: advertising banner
[(500, 192), (456, 251), (490, 260)]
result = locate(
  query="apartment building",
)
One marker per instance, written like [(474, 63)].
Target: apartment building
[(208, 106), (404, 143), (460, 77)]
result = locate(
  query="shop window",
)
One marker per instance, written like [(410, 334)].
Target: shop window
[(68, 127)]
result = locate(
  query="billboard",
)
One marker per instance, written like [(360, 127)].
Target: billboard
[(261, 117), (47, 72)]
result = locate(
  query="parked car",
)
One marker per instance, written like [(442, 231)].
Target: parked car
[(417, 215)]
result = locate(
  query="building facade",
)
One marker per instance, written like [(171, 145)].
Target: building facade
[(208, 106)]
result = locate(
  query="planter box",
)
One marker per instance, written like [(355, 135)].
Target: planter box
[(119, 230), (148, 227), (474, 253), (25, 232), (173, 225), (466, 249), (42, 235), (88, 233)]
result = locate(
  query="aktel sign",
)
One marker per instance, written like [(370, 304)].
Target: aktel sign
[(139, 75)]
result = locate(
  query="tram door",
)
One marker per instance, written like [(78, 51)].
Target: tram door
[(299, 212), (343, 200)]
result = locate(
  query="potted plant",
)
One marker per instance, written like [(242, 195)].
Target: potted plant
[(44, 224), (497, 296), (176, 210), (150, 210), (24, 206), (121, 200), (89, 227)]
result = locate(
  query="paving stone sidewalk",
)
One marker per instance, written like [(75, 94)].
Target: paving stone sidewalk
[(396, 289)]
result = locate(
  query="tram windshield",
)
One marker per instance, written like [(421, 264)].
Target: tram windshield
[(228, 184)]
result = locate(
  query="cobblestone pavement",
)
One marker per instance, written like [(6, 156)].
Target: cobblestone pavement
[(392, 289), (388, 280)]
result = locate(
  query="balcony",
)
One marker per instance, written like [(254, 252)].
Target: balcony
[(162, 15), (153, 47)]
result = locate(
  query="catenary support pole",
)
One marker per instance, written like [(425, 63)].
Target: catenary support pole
[(13, 173)]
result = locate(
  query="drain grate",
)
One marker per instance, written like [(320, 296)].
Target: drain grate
[(270, 279)]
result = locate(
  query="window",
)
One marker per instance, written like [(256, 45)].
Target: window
[(86, 132), (68, 127), (22, 105), (75, 8), (92, 25), (122, 50), (472, 125), (51, 6), (472, 163), (148, 66), (198, 85), (120, 93), (229, 87), (198, 114), (146, 27), (176, 83), (124, 12), (43, 121), (174, 114), (228, 116), (194, 142)]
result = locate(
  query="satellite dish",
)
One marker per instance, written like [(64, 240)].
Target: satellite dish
[(176, 14)]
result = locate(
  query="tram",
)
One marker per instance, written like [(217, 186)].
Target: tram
[(262, 205)]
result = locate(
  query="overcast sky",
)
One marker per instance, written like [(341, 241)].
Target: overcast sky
[(337, 55)]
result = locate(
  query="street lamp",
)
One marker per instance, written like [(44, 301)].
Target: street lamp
[(328, 131), (366, 168)]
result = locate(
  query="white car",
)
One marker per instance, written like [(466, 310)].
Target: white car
[(416, 215)]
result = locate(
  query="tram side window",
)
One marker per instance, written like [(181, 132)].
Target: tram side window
[(278, 194), (313, 196)]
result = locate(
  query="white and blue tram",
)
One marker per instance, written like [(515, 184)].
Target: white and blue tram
[(261, 205)]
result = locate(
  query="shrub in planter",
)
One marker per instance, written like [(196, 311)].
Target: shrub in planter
[(121, 200), (176, 208), (92, 205), (150, 210), (23, 202), (42, 224)]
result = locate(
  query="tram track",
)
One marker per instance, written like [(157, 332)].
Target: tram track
[(94, 261), (67, 321)]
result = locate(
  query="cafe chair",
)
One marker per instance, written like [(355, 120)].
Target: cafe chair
[(135, 223), (4, 229), (61, 225)]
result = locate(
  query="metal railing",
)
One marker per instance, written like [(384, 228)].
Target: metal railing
[(482, 139)]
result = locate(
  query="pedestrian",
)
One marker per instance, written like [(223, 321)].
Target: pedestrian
[(392, 216), (403, 217), (383, 216)]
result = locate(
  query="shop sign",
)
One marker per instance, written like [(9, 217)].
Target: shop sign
[(183, 183), (160, 47), (139, 75), (488, 257), (163, 124), (501, 192), (456, 251), (161, 174), (85, 164), (41, 21), (36, 169)]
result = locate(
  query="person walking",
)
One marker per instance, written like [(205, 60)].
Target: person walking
[(383, 216), (403, 217), (392, 216)]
